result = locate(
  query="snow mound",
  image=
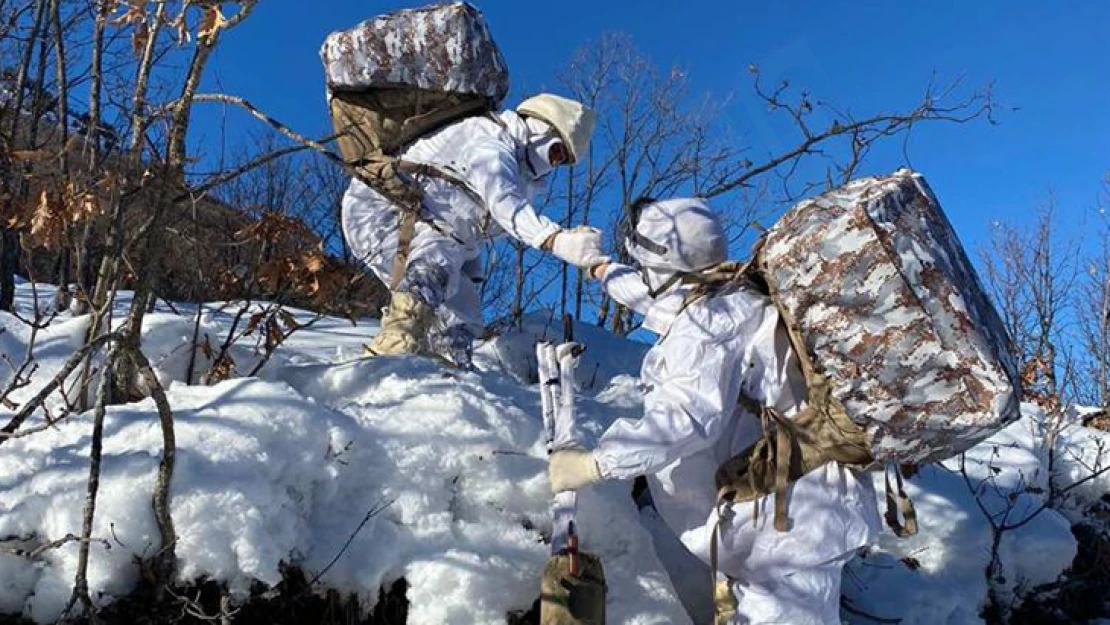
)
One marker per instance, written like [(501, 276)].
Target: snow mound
[(284, 470), (939, 575), (248, 465)]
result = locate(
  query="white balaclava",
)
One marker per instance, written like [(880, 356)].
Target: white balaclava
[(676, 236), (541, 136)]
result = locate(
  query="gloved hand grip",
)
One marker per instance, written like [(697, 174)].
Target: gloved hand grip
[(571, 469), (580, 247)]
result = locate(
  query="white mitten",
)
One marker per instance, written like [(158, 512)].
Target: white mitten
[(580, 247), (571, 469)]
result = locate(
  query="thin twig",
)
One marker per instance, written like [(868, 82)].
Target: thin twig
[(374, 510), (32, 554), (246, 168), (35, 402), (273, 123)]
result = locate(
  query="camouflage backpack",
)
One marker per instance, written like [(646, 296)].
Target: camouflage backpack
[(905, 359), (395, 78)]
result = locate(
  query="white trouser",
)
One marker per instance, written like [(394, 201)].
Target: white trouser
[(441, 270), (805, 597)]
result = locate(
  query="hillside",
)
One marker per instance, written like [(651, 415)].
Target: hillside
[(362, 473)]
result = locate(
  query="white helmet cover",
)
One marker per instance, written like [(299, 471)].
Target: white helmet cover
[(679, 235)]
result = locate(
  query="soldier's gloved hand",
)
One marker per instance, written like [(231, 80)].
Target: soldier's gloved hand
[(571, 469), (580, 247)]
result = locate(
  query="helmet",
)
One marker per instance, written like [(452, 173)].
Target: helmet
[(574, 122), (681, 235)]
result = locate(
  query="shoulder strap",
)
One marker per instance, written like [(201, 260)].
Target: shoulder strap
[(716, 279), (440, 172)]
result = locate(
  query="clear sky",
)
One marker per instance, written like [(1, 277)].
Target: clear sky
[(1050, 60)]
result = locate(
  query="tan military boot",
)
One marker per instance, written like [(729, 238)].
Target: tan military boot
[(404, 327)]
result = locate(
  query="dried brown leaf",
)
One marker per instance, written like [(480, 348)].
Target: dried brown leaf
[(211, 24), (288, 319), (274, 335), (47, 225), (135, 14), (252, 325), (139, 37), (221, 369), (313, 261)]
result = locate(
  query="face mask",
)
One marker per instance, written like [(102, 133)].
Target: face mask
[(538, 151)]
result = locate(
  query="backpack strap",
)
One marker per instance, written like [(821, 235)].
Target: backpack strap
[(439, 172), (909, 513), (406, 231), (411, 201), (497, 119)]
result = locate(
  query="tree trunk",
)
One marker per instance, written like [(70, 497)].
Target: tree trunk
[(9, 263), (12, 181)]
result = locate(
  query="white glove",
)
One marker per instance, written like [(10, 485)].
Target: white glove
[(571, 469), (580, 247)]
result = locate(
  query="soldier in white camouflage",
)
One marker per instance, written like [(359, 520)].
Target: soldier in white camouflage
[(709, 352), (413, 96), (504, 160)]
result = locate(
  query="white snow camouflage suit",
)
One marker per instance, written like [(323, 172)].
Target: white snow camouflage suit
[(693, 422), (445, 255)]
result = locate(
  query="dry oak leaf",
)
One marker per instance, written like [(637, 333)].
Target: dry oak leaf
[(46, 223), (211, 24)]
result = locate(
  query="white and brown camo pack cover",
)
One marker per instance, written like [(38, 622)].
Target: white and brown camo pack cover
[(443, 47), (894, 315)]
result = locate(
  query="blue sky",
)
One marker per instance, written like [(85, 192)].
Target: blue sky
[(1049, 60)]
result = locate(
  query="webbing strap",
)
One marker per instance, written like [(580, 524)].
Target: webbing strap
[(724, 602), (784, 454), (812, 378), (714, 536), (441, 173), (908, 525), (409, 215), (714, 563), (406, 230)]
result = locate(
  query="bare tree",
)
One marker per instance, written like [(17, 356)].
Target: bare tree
[(657, 138), (1092, 303), (1031, 274)]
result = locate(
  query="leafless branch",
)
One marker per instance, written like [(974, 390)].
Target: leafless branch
[(81, 581), (376, 509), (862, 132), (273, 123), (85, 351), (165, 561), (38, 551)]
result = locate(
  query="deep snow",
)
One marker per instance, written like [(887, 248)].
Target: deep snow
[(284, 467)]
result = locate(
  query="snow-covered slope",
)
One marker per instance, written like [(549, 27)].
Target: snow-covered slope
[(283, 469), (938, 576)]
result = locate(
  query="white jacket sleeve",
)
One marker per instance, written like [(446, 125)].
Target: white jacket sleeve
[(625, 285), (496, 176), (693, 389)]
